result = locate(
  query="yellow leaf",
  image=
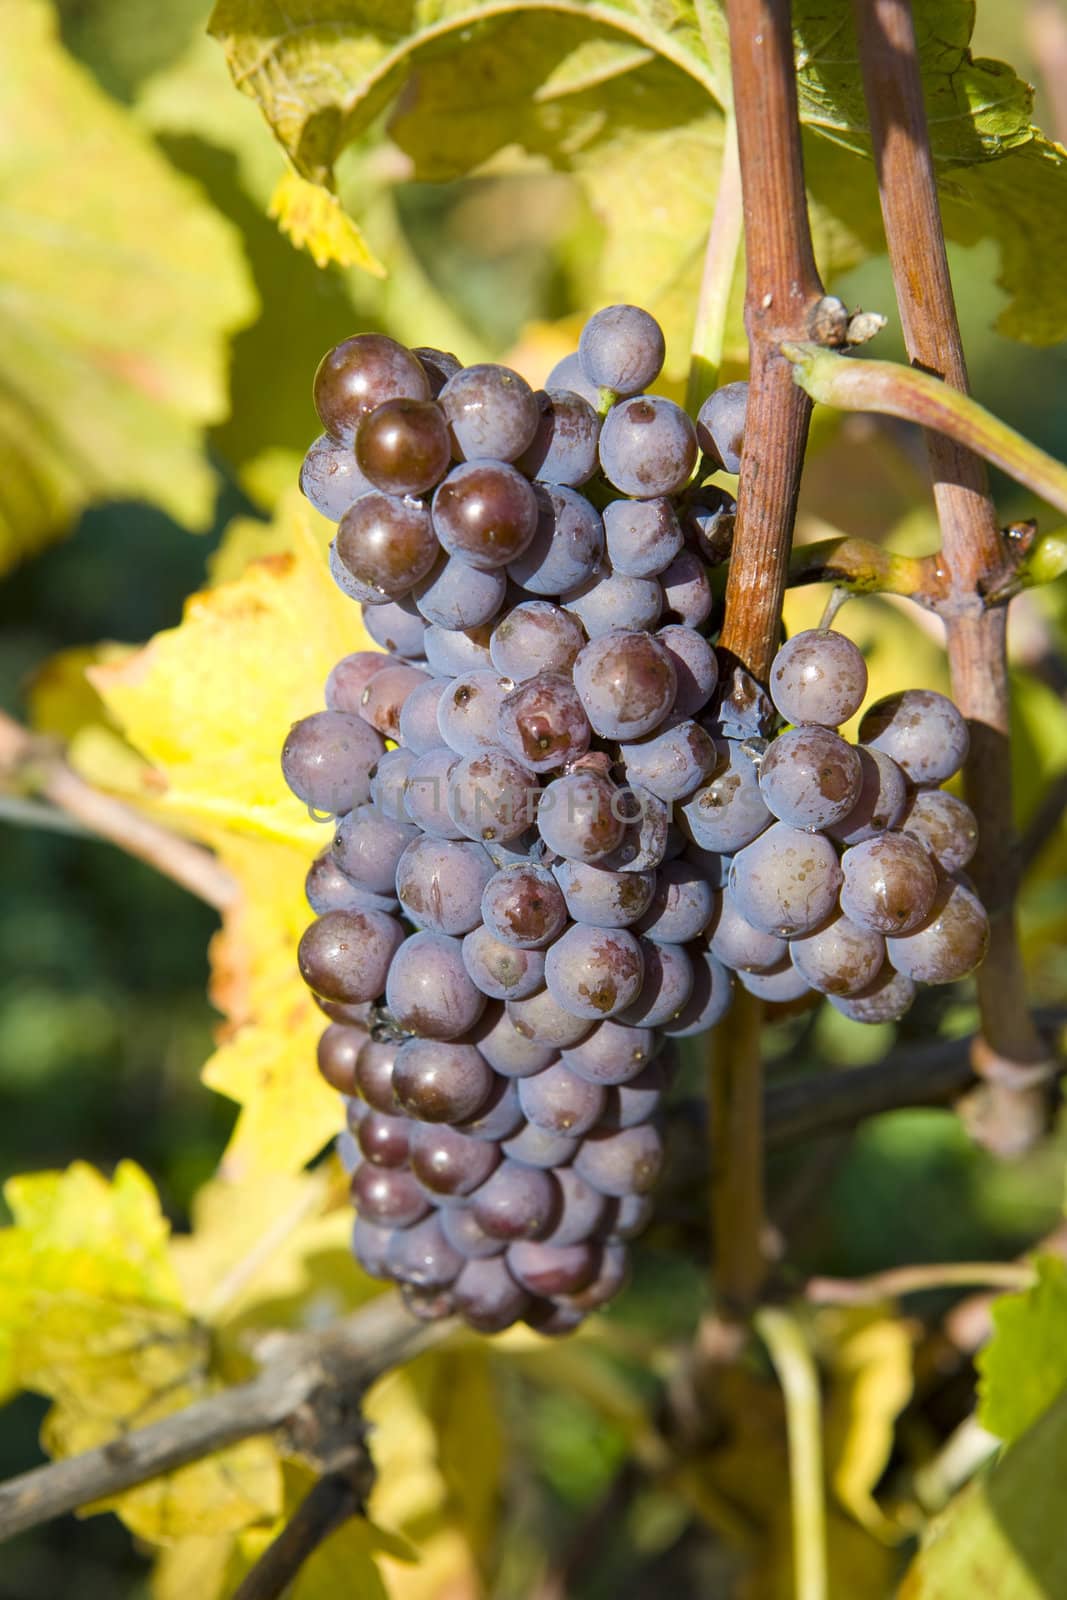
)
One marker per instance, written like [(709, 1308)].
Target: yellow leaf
[(315, 221), (870, 1357), (60, 698)]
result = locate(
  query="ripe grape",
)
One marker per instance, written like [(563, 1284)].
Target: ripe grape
[(330, 477), (548, 1269), (604, 899), (646, 834), (467, 1236), (374, 1075), (428, 989), (517, 1202), (485, 513), (559, 1101), (448, 1162), (580, 817), (370, 1246), (385, 545), (666, 988), (500, 1116), (594, 972), (622, 1163), (729, 811), (738, 944), (818, 676), (567, 544), (613, 1053), (426, 793), (439, 366), (524, 905), (417, 725), (884, 1000), (621, 348), (542, 723), (922, 731), (468, 711), (450, 651), (628, 1104), (326, 760), (643, 536), (439, 883), (608, 601), (487, 1296), (583, 1210), (882, 799), (563, 449), (360, 374), (328, 889), (383, 1139), (626, 683), (950, 943), (388, 1196), (398, 627), (780, 985), (786, 881), (492, 412), (945, 825), (542, 1018), (687, 598), (402, 446), (840, 957), (889, 883), (338, 1052), (368, 845), (502, 971), (491, 797), (721, 426), (346, 955), (672, 764), (439, 1081), (535, 637), (810, 777), (383, 697), (423, 1255), (648, 447), (682, 905), (455, 595), (538, 1147), (709, 999), (567, 375), (512, 1053)]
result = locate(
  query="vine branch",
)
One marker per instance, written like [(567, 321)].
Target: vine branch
[(333, 1499), (1011, 1112), (35, 767)]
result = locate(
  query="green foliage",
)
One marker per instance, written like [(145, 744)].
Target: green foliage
[(1024, 1367)]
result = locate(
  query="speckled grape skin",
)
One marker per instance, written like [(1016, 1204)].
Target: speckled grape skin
[(559, 1101), (671, 764), (840, 957), (721, 426), (623, 1163), (945, 825), (330, 477), (542, 722), (327, 758), (491, 412), (882, 799), (491, 797), (696, 669), (736, 943), (682, 904), (648, 447), (885, 1000), (543, 1019), (810, 777), (502, 971), (563, 450), (429, 991), (951, 943), (627, 683), (643, 536), (536, 637), (398, 627), (786, 881), (666, 987), (426, 793), (468, 710), (580, 816), (728, 811), (621, 348), (439, 883), (607, 601), (923, 732), (818, 676), (524, 905), (594, 972), (567, 545), (889, 883), (602, 898), (780, 985)]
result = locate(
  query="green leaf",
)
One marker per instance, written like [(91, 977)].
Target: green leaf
[(1001, 1536), (1023, 1368), (117, 290)]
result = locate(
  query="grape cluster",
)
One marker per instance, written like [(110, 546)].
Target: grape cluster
[(550, 861)]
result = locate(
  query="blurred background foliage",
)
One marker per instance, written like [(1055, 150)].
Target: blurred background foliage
[(163, 389)]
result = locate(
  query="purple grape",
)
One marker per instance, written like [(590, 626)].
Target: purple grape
[(673, 763), (397, 627), (543, 1019), (818, 676), (351, 675), (944, 825), (737, 944), (646, 837), (467, 1236), (418, 728), (346, 955), (604, 899), (368, 845), (786, 882), (840, 957), (448, 1162), (338, 1052), (567, 375), (403, 447), (630, 1104), (383, 697), (384, 1140), (374, 1075), (455, 595), (523, 905), (548, 1269), (922, 731), (579, 816), (721, 426), (613, 1053), (517, 1202), (626, 682), (729, 811), (428, 990), (426, 793), (567, 545), (388, 1196), (889, 883), (696, 669), (423, 1256), (485, 512), (643, 536), (667, 986), (439, 366), (492, 413), (561, 1102), (810, 777), (648, 447), (709, 1001), (361, 373), (511, 1053), (487, 1296), (428, 1305), (611, 1278), (330, 477), (501, 1115), (502, 971), (583, 1212), (453, 651), (535, 637), (385, 545), (370, 1245), (633, 1212), (594, 972), (563, 450), (439, 1081), (951, 942), (608, 601), (537, 1147), (882, 798), (491, 797), (885, 1000), (468, 712), (326, 760), (621, 348), (780, 985), (682, 905), (328, 889), (388, 781), (687, 598), (623, 1163), (553, 1319), (439, 883), (708, 518), (542, 723)]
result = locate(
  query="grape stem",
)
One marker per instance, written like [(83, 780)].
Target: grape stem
[(791, 1355), (337, 1496), (897, 1281), (35, 770), (1009, 1112)]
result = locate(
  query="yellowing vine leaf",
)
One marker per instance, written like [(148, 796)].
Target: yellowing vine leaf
[(118, 287), (94, 1317), (869, 1353), (312, 218)]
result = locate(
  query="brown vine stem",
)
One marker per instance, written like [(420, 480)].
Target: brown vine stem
[(781, 296), (1011, 1111), (333, 1499), (896, 1281), (34, 766)]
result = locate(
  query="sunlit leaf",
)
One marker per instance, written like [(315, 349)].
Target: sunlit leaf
[(312, 218), (1024, 1366), (869, 1354)]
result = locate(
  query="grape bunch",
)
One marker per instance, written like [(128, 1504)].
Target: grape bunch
[(550, 861)]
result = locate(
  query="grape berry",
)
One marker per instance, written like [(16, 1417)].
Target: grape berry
[(565, 865)]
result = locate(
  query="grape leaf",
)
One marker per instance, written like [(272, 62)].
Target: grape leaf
[(93, 1316), (1023, 1368), (1001, 1535), (869, 1354), (114, 315)]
